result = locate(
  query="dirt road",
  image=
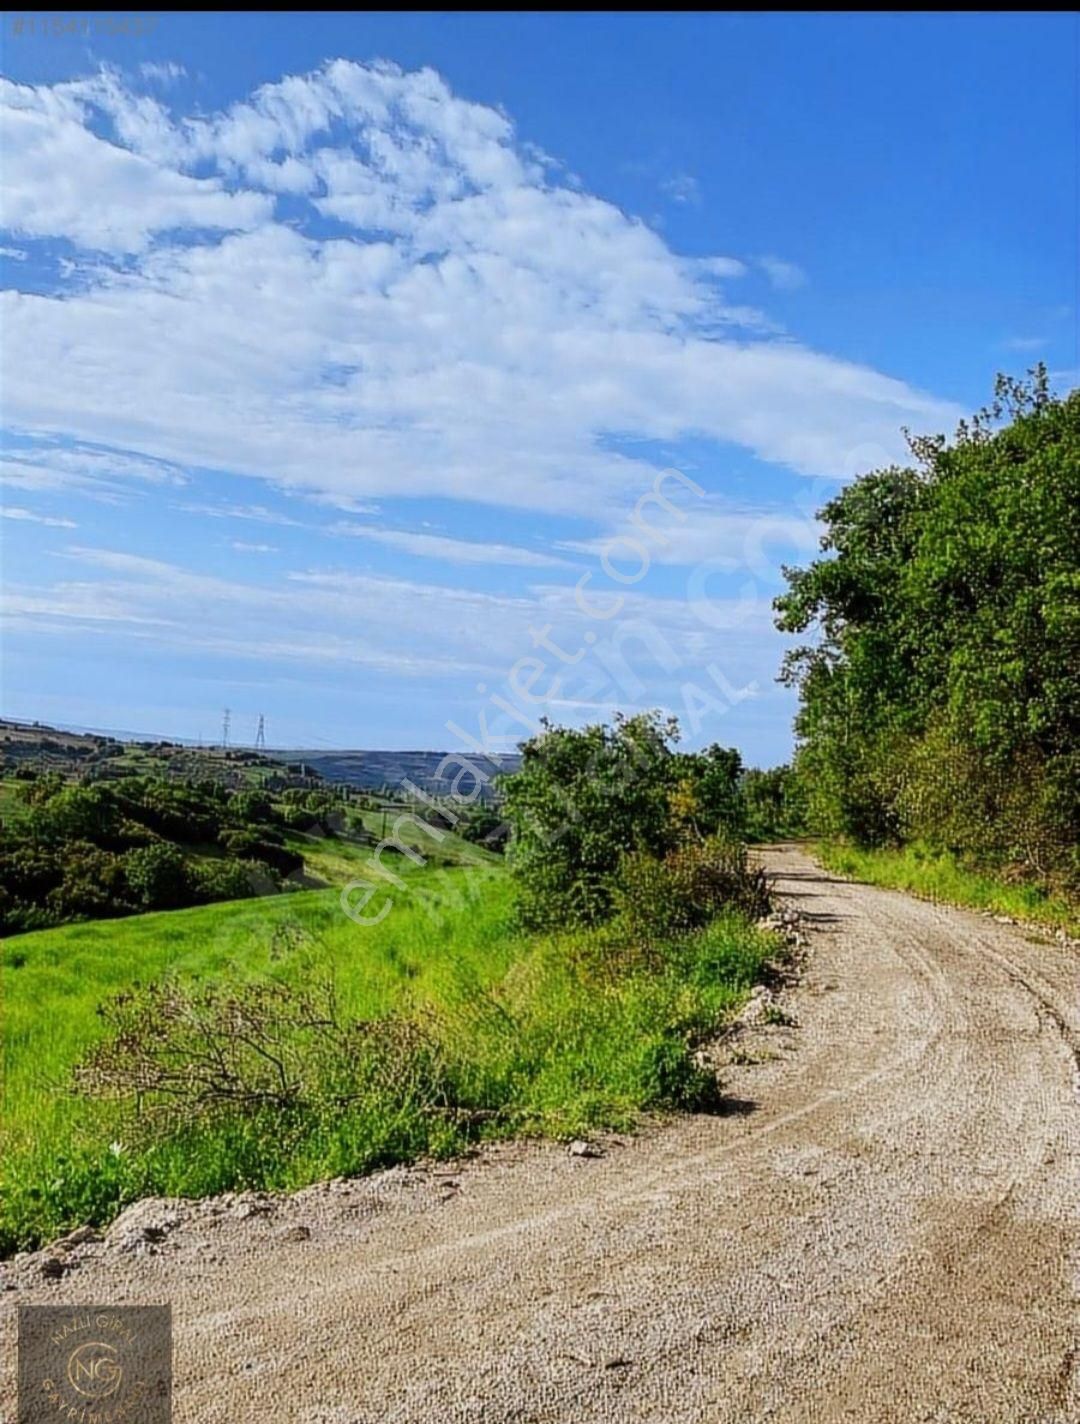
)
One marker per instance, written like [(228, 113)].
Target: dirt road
[(885, 1228)]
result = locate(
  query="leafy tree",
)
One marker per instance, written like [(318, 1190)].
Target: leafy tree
[(483, 826), (772, 803), (941, 698), (713, 780), (251, 807), (262, 845), (158, 876), (581, 800), (585, 800), (87, 813)]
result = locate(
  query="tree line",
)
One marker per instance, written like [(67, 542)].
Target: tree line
[(940, 696), (138, 843)]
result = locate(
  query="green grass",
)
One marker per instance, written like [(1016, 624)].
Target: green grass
[(550, 1035), (12, 800), (336, 860), (934, 875)]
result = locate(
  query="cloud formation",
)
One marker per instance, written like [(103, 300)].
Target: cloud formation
[(451, 551), (357, 284), (785, 276), (29, 516)]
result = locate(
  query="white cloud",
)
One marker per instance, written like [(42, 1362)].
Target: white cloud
[(731, 538), (164, 74), (682, 188), (452, 551), (785, 276), (104, 474), (243, 548), (481, 331), (1024, 343), (61, 180), (257, 513), (14, 512), (405, 627)]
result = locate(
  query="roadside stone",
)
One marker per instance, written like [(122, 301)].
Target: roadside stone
[(144, 1224), (580, 1148), (245, 1208), (79, 1237), (297, 1232)]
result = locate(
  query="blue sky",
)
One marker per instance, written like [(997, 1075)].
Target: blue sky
[(340, 351)]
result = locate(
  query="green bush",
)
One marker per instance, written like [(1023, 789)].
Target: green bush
[(228, 880), (158, 876), (486, 827), (691, 885), (582, 800), (263, 846)]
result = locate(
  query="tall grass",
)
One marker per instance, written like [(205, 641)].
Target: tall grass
[(937, 875), (550, 1035)]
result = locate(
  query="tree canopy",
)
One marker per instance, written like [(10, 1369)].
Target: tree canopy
[(940, 697)]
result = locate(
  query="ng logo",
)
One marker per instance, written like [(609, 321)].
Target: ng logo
[(93, 1369), (94, 1364)]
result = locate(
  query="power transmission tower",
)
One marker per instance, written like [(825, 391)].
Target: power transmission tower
[(260, 735), (225, 728)]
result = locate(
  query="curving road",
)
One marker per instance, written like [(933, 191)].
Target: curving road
[(884, 1229)]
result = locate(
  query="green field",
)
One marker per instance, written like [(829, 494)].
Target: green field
[(934, 875), (524, 1034)]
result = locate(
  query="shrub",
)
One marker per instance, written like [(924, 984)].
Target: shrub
[(84, 813), (582, 800), (484, 826), (246, 807), (657, 899), (228, 880), (158, 876), (185, 1056), (252, 845)]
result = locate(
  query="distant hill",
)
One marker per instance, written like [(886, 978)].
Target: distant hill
[(374, 770), (64, 748)]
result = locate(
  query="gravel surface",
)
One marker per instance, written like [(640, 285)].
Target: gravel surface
[(885, 1226)]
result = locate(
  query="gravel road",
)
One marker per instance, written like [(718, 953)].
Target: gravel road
[(884, 1227)]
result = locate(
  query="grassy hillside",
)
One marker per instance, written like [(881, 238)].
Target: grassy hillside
[(513, 1033)]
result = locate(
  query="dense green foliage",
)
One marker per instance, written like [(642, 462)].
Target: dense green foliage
[(483, 825), (772, 804), (451, 1025), (585, 799), (139, 843), (656, 898), (941, 700)]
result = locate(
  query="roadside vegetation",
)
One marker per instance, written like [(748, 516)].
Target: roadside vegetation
[(939, 725), (938, 875), (272, 1042)]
